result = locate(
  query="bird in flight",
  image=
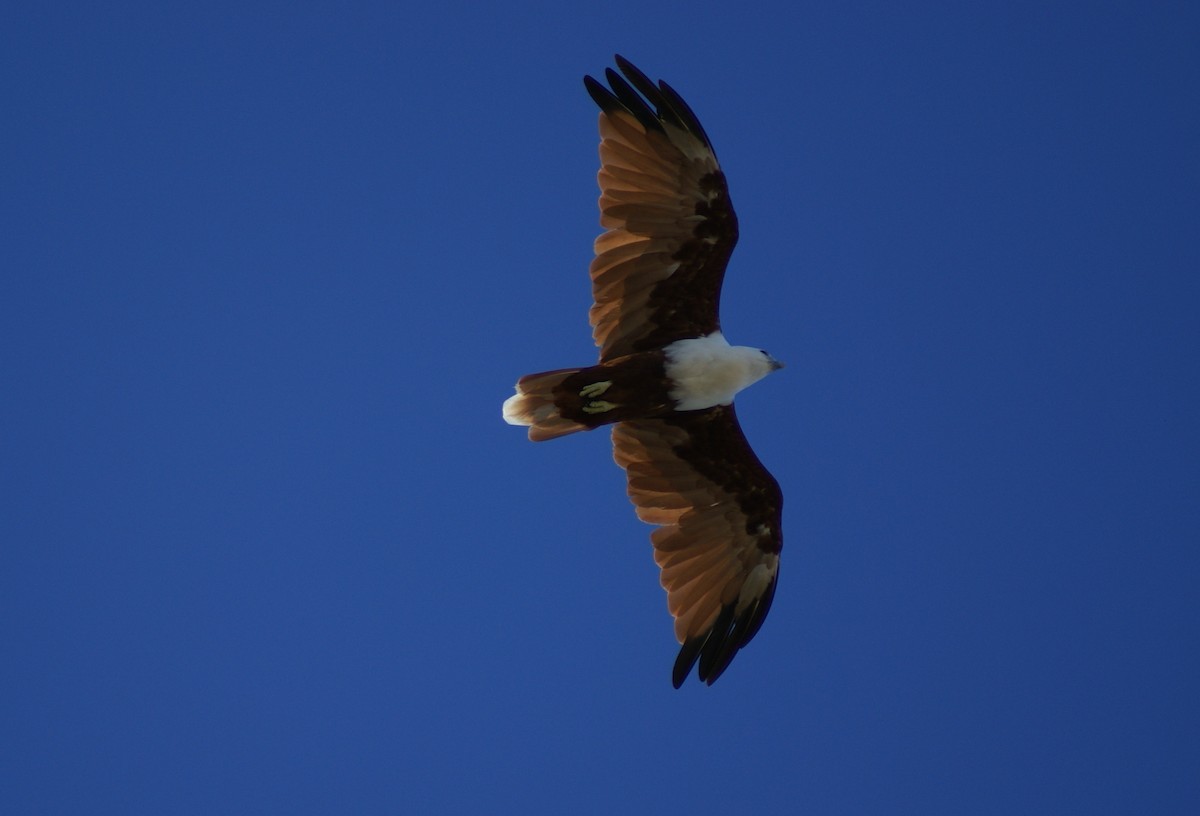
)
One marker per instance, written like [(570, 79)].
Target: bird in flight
[(666, 377)]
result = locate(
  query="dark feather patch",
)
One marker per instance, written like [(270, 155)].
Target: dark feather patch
[(717, 449)]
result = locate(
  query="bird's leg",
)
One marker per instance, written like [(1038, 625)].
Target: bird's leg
[(595, 389), (597, 406)]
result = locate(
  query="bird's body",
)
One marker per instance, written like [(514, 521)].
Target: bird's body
[(686, 375), (667, 377)]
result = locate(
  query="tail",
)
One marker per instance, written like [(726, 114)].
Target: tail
[(533, 405)]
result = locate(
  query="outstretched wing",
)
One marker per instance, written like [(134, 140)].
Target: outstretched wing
[(718, 545), (670, 226)]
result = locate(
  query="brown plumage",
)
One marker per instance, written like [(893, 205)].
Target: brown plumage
[(720, 511), (670, 227), (656, 282)]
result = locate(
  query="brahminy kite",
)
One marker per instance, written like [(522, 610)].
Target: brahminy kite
[(667, 377)]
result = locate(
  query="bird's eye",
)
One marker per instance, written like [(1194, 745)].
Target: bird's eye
[(763, 353)]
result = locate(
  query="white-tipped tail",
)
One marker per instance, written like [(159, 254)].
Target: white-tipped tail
[(533, 405)]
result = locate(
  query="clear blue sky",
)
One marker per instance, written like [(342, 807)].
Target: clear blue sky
[(266, 546)]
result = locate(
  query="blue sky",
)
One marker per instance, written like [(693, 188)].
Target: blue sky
[(266, 545)]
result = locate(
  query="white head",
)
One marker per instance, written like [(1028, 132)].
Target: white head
[(758, 363), (707, 371)]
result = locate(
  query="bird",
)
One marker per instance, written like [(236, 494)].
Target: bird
[(666, 377)]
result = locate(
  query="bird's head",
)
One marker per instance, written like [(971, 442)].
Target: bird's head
[(774, 364), (757, 363)]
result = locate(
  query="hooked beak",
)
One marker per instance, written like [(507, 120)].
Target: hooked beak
[(775, 364)]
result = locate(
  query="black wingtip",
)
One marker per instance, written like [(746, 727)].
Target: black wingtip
[(716, 648), (601, 95), (637, 77), (652, 103), (683, 112), (688, 655), (632, 101), (720, 648)]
